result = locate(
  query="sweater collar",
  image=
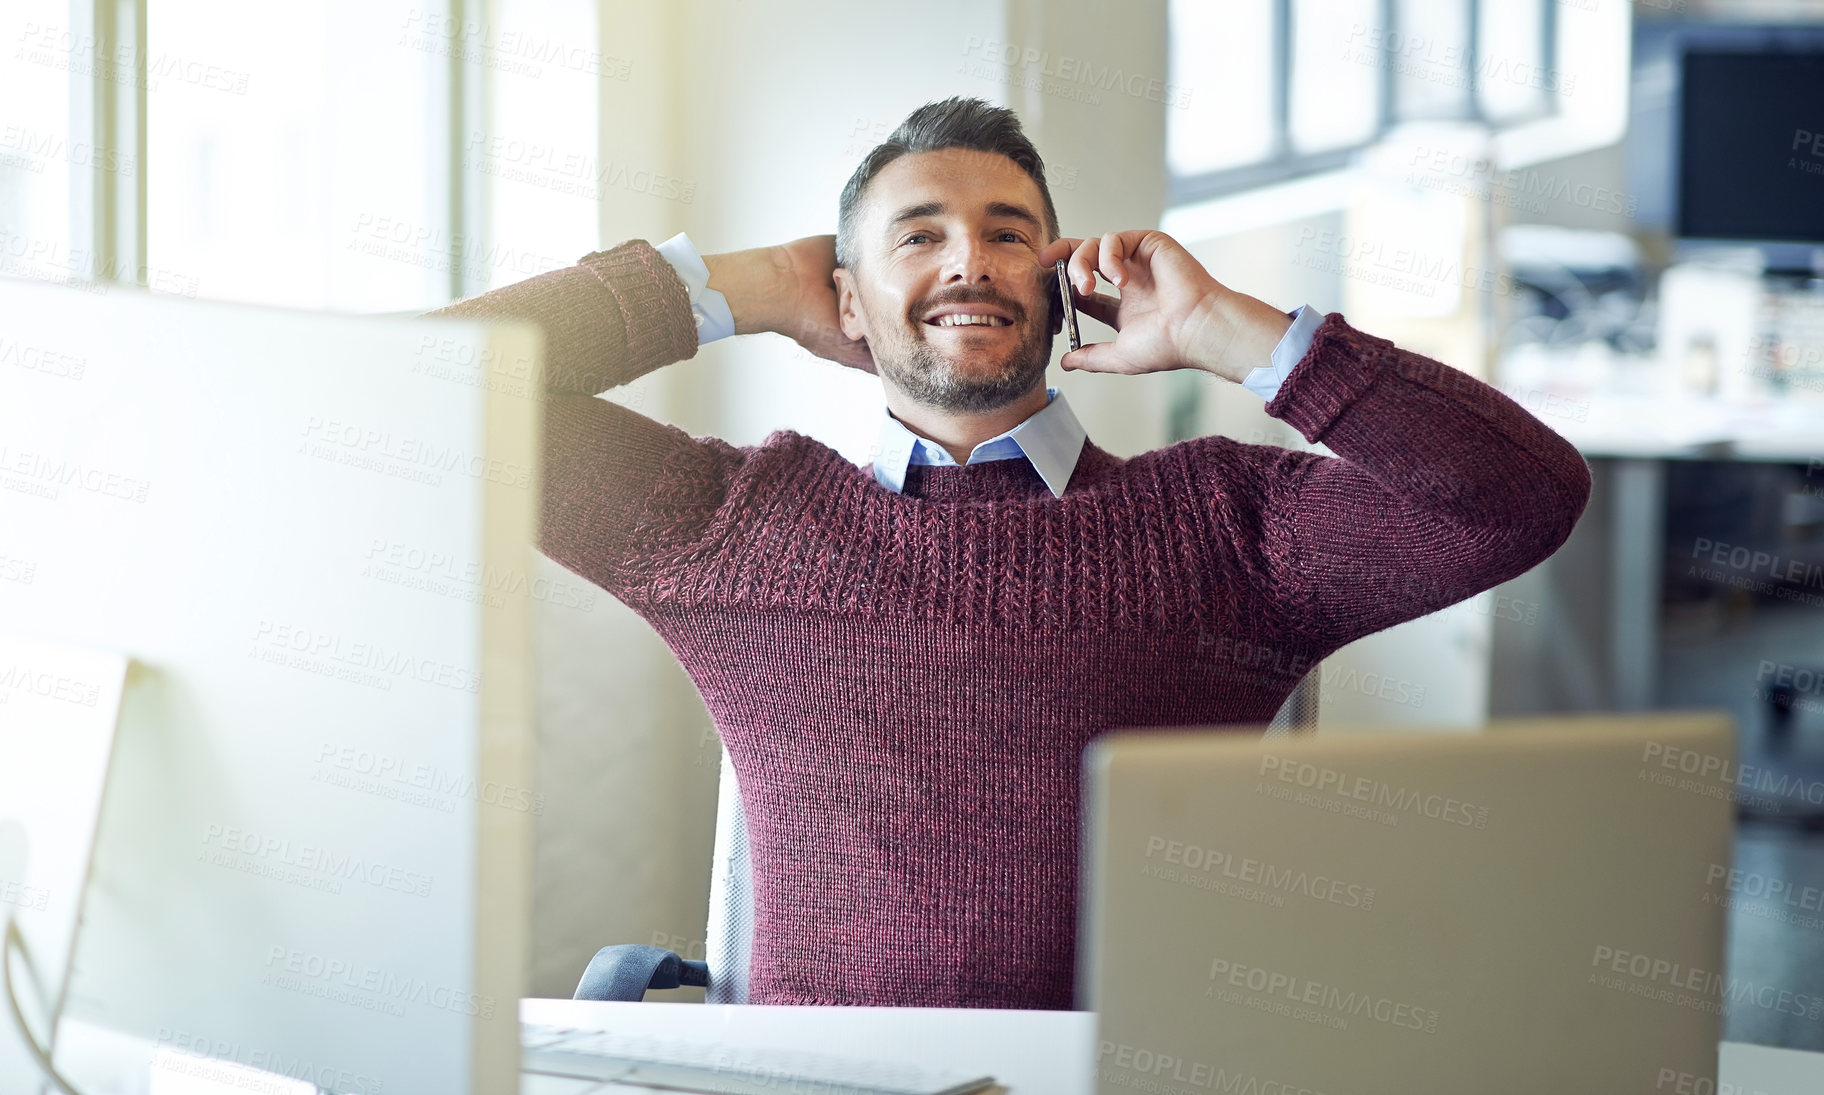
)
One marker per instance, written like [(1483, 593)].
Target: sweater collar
[(1051, 440)]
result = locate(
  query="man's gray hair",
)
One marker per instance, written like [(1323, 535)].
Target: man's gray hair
[(953, 123)]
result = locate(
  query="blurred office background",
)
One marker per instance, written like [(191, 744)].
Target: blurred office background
[(1496, 183)]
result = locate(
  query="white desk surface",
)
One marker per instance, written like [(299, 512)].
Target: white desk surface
[(1613, 424), (1029, 1052), (1052, 1052)]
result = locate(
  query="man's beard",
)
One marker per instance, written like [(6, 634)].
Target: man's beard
[(928, 377)]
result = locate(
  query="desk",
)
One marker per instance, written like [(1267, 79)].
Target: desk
[(1049, 1052), (1029, 1052), (1639, 433)]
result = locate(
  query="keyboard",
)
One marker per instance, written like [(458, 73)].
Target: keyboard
[(727, 1070)]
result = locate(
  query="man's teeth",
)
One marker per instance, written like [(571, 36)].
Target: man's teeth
[(956, 320)]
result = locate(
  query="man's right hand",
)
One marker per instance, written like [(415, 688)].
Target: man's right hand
[(788, 289)]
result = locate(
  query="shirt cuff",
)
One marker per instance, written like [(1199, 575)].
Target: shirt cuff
[(1265, 381), (709, 306)]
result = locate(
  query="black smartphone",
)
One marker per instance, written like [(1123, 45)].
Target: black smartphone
[(1070, 307)]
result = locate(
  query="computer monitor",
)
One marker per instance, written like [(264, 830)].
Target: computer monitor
[(311, 535), (1724, 145), (1751, 145)]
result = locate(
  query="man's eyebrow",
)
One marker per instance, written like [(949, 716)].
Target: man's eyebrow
[(1016, 212), (937, 208), (916, 212)]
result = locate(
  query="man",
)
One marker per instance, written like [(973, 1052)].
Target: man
[(905, 661)]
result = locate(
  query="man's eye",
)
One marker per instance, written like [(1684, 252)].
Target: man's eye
[(1012, 237), (916, 236)]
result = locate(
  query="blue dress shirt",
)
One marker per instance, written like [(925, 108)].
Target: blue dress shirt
[(1051, 437)]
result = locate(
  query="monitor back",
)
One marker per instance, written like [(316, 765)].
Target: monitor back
[(311, 535), (1530, 908)]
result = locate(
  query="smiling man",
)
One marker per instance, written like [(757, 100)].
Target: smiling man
[(906, 660)]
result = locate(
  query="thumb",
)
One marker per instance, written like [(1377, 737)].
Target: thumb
[(1096, 357)]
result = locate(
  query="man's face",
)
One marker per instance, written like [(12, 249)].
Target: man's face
[(947, 289)]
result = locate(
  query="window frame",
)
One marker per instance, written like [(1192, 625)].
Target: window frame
[(108, 214), (1284, 164)]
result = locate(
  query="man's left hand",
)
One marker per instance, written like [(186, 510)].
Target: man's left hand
[(1171, 313)]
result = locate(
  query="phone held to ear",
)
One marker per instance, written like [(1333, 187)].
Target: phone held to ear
[(1070, 307)]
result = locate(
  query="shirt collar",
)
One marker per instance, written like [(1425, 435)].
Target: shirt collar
[(1052, 439)]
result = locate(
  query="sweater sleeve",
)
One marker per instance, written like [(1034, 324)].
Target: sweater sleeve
[(624, 495), (1441, 487)]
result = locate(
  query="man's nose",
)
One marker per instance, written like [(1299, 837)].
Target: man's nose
[(967, 260)]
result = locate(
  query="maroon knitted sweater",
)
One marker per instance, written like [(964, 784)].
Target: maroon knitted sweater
[(905, 682)]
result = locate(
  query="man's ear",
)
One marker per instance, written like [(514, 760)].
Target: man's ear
[(848, 306)]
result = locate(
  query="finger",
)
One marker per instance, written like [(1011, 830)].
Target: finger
[(1114, 249), (1099, 306), (1059, 248), (1083, 265)]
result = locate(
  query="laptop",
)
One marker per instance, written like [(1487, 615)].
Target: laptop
[(1530, 907)]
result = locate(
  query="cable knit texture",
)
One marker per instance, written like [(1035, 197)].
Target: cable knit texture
[(906, 682)]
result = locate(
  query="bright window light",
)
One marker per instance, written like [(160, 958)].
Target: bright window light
[(37, 149), (1221, 52), (297, 153)]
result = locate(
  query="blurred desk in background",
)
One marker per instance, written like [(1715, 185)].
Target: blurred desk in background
[(1630, 414)]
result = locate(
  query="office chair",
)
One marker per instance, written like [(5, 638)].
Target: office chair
[(626, 971)]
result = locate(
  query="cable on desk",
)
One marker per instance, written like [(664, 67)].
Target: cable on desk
[(15, 941)]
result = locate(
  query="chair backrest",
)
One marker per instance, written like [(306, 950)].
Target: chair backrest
[(729, 940)]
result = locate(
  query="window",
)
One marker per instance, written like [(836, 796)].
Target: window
[(354, 155), (39, 151), (1282, 88), (297, 153)]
